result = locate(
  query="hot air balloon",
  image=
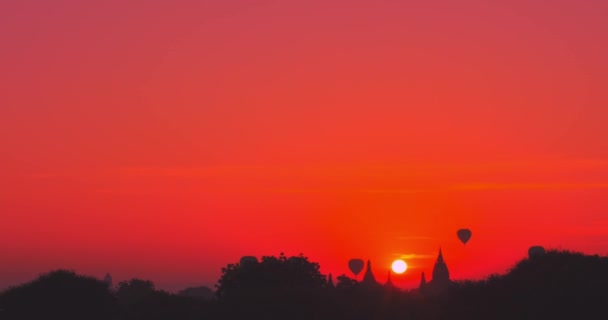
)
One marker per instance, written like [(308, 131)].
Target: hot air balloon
[(355, 265), (464, 235), (535, 251)]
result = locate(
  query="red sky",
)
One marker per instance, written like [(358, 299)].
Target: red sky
[(165, 139)]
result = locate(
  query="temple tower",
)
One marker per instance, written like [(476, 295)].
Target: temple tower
[(369, 278), (441, 276)]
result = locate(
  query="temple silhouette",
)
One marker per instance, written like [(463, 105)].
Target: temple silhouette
[(441, 277), (389, 282), (368, 278)]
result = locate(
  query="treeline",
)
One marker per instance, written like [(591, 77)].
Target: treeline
[(556, 285)]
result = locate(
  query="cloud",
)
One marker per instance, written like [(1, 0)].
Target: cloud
[(371, 170), (378, 178), (413, 256), (413, 238), (529, 186), (479, 186), (349, 190)]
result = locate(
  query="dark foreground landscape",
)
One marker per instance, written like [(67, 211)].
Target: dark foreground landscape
[(554, 285)]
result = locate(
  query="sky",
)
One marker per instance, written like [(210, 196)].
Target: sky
[(165, 139)]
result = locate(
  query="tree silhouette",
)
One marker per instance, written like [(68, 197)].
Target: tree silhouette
[(274, 287), (272, 273), (555, 285), (134, 290), (59, 294), (202, 292), (344, 282)]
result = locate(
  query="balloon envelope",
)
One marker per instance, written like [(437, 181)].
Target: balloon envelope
[(535, 251), (355, 265), (464, 235)]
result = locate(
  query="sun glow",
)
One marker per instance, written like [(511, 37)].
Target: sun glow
[(399, 266)]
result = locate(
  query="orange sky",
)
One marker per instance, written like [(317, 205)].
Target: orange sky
[(165, 139)]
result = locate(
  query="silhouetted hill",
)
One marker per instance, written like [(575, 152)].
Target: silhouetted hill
[(59, 295)]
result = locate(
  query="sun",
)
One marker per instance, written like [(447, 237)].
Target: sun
[(399, 266)]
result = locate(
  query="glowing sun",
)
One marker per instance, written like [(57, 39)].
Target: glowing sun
[(399, 266)]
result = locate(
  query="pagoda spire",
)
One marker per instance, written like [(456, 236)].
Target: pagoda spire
[(389, 282), (440, 256), (441, 275), (369, 278), (422, 282)]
